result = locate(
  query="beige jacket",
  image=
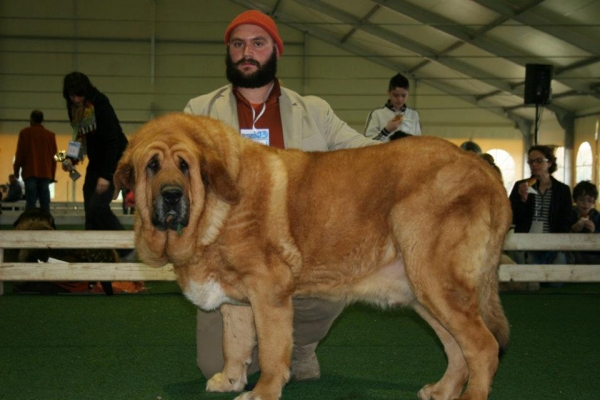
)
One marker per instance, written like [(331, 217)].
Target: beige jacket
[(308, 122)]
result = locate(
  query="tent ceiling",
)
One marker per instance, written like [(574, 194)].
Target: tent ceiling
[(475, 49)]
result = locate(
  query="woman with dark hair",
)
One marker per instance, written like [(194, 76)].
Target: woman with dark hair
[(542, 204), (97, 130)]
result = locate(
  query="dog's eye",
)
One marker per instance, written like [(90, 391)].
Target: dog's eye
[(183, 166), (153, 165)]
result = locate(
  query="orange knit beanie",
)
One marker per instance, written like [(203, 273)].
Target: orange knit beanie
[(254, 17)]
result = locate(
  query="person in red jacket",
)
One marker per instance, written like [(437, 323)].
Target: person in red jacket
[(34, 161)]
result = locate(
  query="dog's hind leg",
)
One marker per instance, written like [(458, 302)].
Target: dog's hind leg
[(457, 311), (453, 300), (456, 375), (453, 273), (239, 340)]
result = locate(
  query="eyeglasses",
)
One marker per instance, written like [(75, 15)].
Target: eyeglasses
[(585, 200), (536, 161)]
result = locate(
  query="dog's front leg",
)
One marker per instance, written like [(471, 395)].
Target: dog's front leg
[(239, 340), (274, 326)]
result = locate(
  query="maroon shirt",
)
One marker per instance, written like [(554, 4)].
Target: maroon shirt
[(271, 118)]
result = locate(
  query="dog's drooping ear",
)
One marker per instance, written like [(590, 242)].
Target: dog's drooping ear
[(217, 178), (124, 177)]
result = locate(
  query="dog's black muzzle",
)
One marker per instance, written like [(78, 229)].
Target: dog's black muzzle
[(171, 209)]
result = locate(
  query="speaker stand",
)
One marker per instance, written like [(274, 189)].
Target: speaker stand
[(537, 124)]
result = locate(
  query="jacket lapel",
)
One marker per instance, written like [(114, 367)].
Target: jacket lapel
[(225, 109), (291, 121)]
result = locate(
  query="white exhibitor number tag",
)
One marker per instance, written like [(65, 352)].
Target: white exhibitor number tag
[(258, 135), (73, 149)]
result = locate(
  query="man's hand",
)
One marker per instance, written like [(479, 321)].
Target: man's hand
[(67, 165), (102, 185)]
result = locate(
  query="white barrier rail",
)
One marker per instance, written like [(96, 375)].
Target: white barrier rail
[(137, 271), (64, 213), (62, 217), (19, 205)]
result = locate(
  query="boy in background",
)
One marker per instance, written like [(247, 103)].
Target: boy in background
[(585, 218), (394, 118)]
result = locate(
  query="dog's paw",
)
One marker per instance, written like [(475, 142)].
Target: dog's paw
[(255, 396), (427, 393), (248, 396), (432, 392), (220, 383)]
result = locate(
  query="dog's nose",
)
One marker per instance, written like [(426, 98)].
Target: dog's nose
[(172, 196)]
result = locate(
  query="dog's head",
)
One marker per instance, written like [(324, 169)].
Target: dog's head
[(180, 168)]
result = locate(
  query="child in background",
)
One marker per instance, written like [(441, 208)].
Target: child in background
[(585, 218), (394, 119)]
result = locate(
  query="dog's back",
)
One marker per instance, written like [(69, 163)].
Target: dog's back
[(353, 212)]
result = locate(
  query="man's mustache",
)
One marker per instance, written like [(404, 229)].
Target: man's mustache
[(248, 60)]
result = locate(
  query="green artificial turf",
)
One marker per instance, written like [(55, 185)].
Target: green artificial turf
[(142, 346)]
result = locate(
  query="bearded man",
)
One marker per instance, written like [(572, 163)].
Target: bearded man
[(260, 109)]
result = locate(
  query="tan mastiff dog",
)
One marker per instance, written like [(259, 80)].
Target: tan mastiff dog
[(416, 222)]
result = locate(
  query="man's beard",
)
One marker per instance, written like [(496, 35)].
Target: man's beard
[(263, 75)]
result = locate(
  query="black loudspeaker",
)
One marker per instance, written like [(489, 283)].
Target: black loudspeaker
[(538, 78), (471, 146)]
